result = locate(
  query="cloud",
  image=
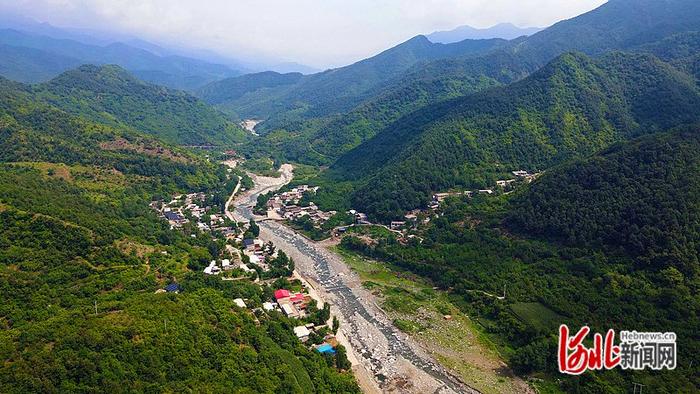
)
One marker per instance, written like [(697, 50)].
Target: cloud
[(316, 32)]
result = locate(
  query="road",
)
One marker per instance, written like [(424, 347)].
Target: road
[(386, 359)]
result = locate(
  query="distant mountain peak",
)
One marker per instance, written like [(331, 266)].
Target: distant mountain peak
[(507, 31)]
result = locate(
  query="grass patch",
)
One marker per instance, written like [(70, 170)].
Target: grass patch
[(262, 166), (407, 326), (537, 315), (401, 303), (368, 284)]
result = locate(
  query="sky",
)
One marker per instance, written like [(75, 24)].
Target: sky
[(319, 33)]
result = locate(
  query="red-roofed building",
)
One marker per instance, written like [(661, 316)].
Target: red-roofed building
[(298, 297), (281, 293)]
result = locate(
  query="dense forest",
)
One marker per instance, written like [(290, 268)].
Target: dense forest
[(638, 199), (573, 107), (110, 95)]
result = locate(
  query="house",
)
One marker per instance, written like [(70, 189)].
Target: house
[(289, 310), (254, 259), (397, 225), (212, 269), (248, 242), (281, 293), (239, 303), (504, 183), (268, 306), (302, 333), (226, 264), (486, 191), (520, 173), (173, 288), (297, 298), (174, 216), (440, 197)]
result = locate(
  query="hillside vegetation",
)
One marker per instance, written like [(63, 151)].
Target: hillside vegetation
[(81, 258), (609, 241), (110, 95), (322, 116), (572, 107)]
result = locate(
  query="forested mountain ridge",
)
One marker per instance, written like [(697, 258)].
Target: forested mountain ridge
[(36, 132), (110, 95), (680, 50), (574, 106), (639, 199), (231, 89), (340, 89), (315, 133), (29, 64)]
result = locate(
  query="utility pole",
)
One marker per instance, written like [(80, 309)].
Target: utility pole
[(635, 386)]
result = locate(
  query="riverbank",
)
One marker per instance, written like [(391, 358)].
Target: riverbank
[(384, 359)]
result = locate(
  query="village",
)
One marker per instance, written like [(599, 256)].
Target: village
[(246, 257), (198, 209), (289, 206), (295, 205)]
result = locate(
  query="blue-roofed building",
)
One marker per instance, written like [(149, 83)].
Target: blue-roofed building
[(174, 216), (248, 242), (172, 288), (325, 348)]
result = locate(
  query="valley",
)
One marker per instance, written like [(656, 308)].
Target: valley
[(385, 359), (441, 216)]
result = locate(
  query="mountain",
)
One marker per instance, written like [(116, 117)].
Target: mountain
[(620, 227), (174, 71), (297, 116), (293, 67), (82, 256), (110, 95), (340, 89), (231, 94), (28, 64), (681, 50), (506, 31), (38, 132), (574, 106), (639, 199)]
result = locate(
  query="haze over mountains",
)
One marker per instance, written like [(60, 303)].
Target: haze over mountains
[(506, 31), (36, 52)]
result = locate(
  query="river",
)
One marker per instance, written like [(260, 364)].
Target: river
[(385, 360)]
